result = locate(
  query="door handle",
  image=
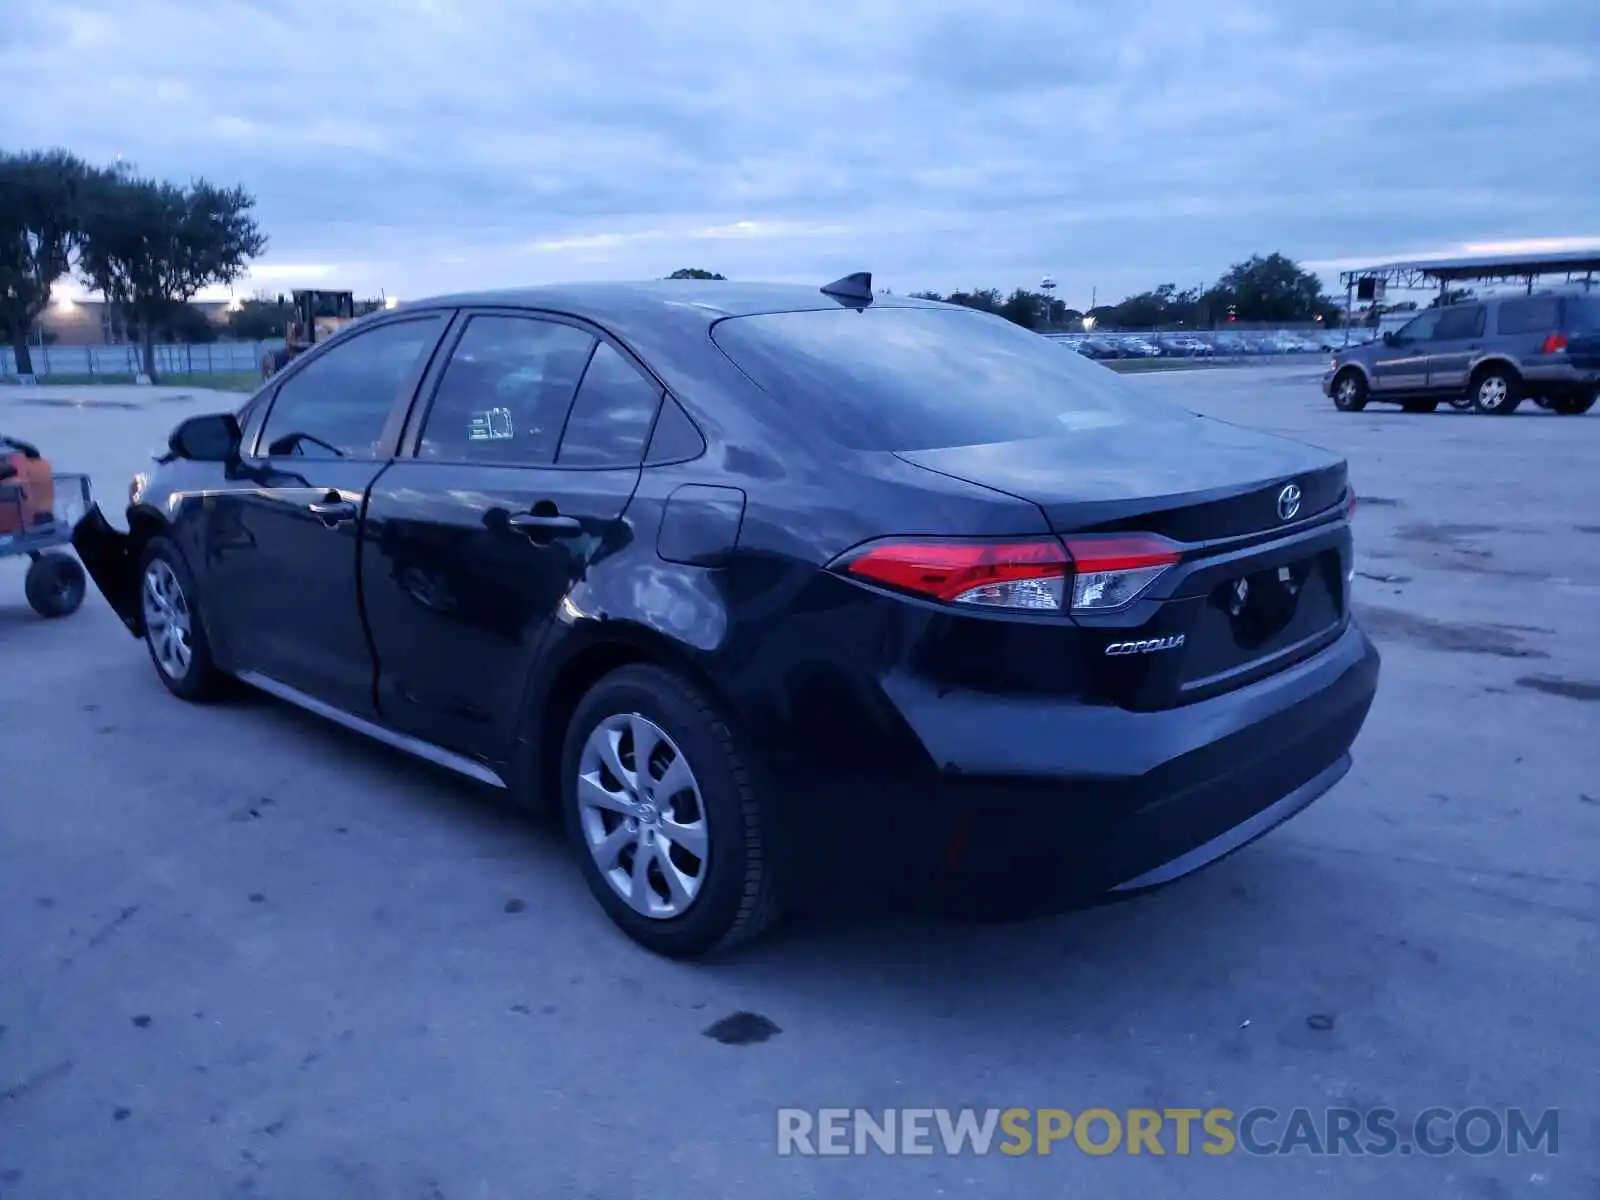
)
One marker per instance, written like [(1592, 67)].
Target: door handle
[(545, 524), (332, 509)]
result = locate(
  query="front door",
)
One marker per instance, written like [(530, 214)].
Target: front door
[(1456, 342), (285, 538), (522, 467), (1402, 362)]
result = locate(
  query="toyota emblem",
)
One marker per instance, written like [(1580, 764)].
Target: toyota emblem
[(1289, 502)]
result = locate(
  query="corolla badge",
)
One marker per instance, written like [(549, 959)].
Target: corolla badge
[(1146, 645), (1289, 502)]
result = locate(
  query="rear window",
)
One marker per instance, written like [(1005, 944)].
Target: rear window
[(1583, 314), (921, 379), (1537, 314)]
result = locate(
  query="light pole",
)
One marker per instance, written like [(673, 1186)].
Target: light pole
[(1049, 286)]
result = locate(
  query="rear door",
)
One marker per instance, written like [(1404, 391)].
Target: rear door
[(1457, 341), (1401, 363), (282, 542), (514, 478)]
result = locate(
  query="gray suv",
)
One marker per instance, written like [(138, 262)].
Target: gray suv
[(1487, 355)]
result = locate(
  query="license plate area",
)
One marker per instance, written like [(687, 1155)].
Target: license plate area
[(1261, 613)]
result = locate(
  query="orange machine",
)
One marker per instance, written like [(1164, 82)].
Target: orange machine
[(27, 495)]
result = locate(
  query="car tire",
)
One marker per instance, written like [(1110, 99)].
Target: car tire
[(174, 634), (1574, 404), (1496, 391), (1350, 391), (726, 893), (1420, 406), (55, 585)]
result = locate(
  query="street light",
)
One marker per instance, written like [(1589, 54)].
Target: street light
[(1049, 287)]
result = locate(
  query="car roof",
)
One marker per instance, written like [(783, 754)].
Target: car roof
[(624, 305)]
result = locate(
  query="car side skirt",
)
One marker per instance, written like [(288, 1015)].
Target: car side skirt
[(415, 747)]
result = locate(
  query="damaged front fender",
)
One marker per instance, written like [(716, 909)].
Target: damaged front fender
[(111, 558)]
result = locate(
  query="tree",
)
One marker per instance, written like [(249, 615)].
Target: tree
[(41, 199), (149, 246), (1166, 305), (1273, 288), (694, 273), (984, 300)]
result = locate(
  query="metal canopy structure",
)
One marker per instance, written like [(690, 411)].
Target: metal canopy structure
[(1520, 268)]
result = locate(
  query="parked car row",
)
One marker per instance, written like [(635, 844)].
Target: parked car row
[(1226, 343)]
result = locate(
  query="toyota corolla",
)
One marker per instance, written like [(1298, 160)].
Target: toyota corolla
[(752, 584)]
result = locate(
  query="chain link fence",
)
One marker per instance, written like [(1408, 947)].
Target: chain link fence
[(119, 362)]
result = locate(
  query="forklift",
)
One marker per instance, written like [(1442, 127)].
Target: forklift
[(317, 317)]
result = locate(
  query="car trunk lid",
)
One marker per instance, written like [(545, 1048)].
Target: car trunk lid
[(1262, 580), (1192, 481)]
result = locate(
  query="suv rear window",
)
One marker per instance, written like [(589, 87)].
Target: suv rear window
[(1583, 314), (1537, 314), (926, 378)]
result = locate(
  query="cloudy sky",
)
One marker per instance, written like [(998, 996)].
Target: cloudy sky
[(416, 146)]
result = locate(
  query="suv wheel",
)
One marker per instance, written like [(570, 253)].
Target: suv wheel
[(1350, 391), (1496, 390), (1574, 404), (674, 838), (173, 632)]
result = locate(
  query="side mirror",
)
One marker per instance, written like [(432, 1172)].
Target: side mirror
[(214, 437), (1391, 338)]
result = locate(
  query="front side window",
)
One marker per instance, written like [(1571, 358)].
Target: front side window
[(505, 393), (337, 405), (1420, 329)]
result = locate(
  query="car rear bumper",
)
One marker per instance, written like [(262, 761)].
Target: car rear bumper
[(1563, 375), (1049, 803)]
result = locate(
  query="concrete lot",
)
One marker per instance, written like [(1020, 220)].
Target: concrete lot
[(246, 955)]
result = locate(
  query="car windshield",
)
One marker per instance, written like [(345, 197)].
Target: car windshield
[(926, 378)]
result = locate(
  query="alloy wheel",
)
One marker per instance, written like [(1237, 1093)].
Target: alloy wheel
[(167, 620), (642, 815), (1347, 389), (1493, 393)]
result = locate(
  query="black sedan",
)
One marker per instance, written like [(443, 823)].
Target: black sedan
[(761, 586)]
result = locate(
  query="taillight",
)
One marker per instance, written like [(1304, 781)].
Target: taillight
[(1090, 574), (1554, 344), (1110, 570), (1028, 573), (1349, 500)]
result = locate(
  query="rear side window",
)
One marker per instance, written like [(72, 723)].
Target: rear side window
[(1536, 314), (337, 405), (505, 392), (1463, 321), (612, 415), (920, 379)]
